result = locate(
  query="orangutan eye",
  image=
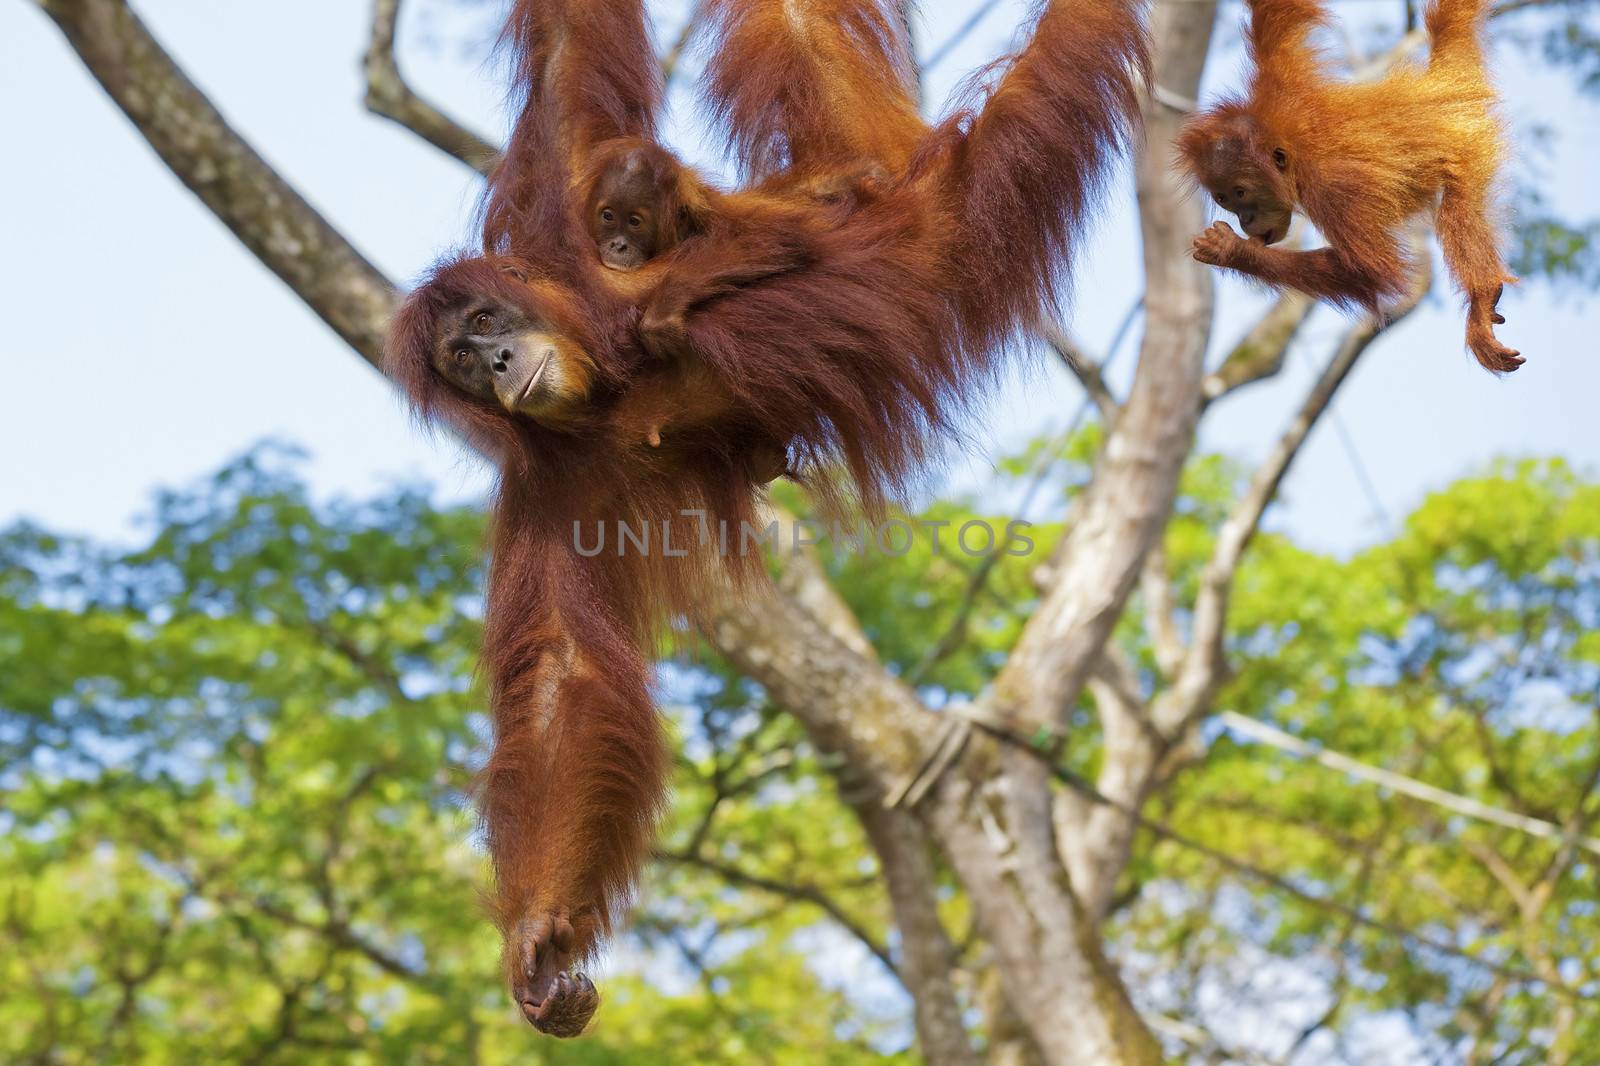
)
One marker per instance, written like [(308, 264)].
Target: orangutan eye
[(483, 323), (634, 221), (608, 215), (463, 357), (1238, 191), (1280, 157)]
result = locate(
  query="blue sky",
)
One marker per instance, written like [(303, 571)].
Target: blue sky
[(147, 346)]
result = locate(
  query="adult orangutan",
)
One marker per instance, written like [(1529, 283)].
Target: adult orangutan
[(837, 309), (1359, 160)]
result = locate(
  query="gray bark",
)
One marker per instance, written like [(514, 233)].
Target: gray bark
[(1125, 508)]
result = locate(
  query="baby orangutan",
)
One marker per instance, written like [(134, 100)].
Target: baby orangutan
[(641, 204), (1359, 160)]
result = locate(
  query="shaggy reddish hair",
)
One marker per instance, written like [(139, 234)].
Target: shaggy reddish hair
[(1360, 160), (872, 322)]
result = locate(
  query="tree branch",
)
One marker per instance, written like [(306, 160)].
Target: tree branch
[(369, 666), (794, 891), (1282, 884), (1407, 786), (803, 579), (192, 138), (391, 96), (674, 53), (927, 954), (848, 702), (1126, 506), (1260, 352), (1098, 842), (1205, 666), (1160, 611), (1085, 369), (1511, 7), (962, 32)]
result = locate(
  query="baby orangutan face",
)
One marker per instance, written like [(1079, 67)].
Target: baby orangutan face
[(624, 215), (641, 202), (1240, 184), (1261, 214), (493, 350)]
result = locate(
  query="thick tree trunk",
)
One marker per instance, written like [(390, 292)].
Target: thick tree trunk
[(927, 955), (996, 829), (992, 819)]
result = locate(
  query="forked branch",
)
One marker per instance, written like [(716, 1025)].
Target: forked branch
[(391, 96), (1204, 668)]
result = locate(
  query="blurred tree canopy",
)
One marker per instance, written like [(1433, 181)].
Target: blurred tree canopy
[(235, 768)]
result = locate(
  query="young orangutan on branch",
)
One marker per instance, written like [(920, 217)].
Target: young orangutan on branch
[(841, 307), (1359, 160)]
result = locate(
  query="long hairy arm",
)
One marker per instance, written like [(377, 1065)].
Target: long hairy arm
[(583, 71), (1024, 168), (577, 778), (588, 61), (1321, 272), (811, 85), (1279, 39)]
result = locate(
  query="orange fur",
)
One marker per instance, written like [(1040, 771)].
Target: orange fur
[(1360, 159), (787, 82), (845, 304)]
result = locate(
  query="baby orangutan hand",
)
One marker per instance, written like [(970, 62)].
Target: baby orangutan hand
[(1218, 246)]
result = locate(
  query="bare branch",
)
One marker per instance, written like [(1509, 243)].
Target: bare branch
[(1122, 513), (263, 211), (997, 831), (848, 702), (674, 54), (955, 634), (1407, 46), (1282, 884), (795, 891), (1115, 672), (804, 580), (1406, 786), (1098, 842), (1260, 353), (389, 95), (1160, 611), (962, 32), (1085, 369), (1205, 667), (927, 954), (1511, 7)]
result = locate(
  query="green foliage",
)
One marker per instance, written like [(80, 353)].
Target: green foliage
[(235, 766), (1545, 243), (1547, 246), (1462, 654)]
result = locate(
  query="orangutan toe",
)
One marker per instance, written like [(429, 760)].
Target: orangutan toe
[(567, 1009)]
